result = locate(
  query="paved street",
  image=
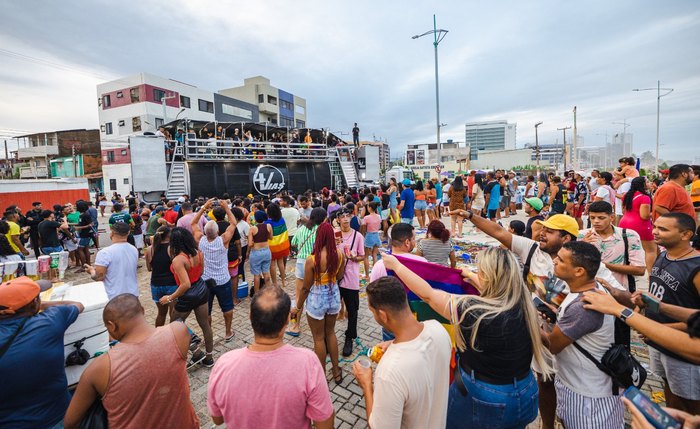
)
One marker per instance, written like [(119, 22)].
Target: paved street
[(346, 396)]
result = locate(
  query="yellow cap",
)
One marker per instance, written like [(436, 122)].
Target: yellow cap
[(561, 222)]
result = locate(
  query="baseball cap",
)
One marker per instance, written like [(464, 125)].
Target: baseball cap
[(561, 222), (406, 182), (17, 293), (159, 209), (181, 200), (535, 202), (121, 228)]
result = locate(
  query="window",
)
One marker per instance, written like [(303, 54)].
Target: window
[(106, 101), (236, 111), (301, 124), (261, 98), (136, 123), (110, 156), (158, 94), (286, 122), (206, 106), (112, 184), (120, 94), (272, 100), (134, 93), (286, 105), (426, 175), (108, 128), (184, 101), (159, 122), (126, 180), (123, 152), (300, 110)]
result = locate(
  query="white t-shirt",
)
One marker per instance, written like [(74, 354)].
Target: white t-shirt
[(593, 331), (243, 228), (291, 218), (121, 261), (412, 382), (445, 196), (618, 201)]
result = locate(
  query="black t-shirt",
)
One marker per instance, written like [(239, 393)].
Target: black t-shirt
[(48, 233), (528, 226), (489, 187), (232, 249), (503, 348), (85, 220)]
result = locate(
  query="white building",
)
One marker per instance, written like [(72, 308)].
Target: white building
[(276, 106), (490, 135)]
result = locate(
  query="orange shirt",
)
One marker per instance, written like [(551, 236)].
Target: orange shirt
[(693, 188), (675, 198)]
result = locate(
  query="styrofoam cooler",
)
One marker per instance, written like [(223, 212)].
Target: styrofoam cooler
[(89, 323)]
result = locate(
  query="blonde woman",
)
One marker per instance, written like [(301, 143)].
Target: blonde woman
[(497, 334)]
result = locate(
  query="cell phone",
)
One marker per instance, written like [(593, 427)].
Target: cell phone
[(338, 234), (544, 309), (654, 414), (651, 303)]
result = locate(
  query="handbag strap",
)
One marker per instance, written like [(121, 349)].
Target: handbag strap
[(7, 345), (598, 365), (308, 237), (631, 281), (528, 260)]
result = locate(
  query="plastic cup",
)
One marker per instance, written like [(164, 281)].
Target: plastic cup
[(364, 362)]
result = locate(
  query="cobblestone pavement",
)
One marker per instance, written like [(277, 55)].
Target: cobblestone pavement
[(347, 396)]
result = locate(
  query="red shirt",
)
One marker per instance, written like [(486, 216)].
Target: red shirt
[(675, 198), (470, 185), (170, 216)]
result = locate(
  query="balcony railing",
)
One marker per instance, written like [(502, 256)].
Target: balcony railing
[(37, 152), (210, 149), (33, 172)]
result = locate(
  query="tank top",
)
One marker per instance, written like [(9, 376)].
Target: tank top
[(421, 196), (559, 197), (160, 267), (194, 273), (326, 277), (262, 235), (671, 282), (148, 385), (215, 260), (392, 198)]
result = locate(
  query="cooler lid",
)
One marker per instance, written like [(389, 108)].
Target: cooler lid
[(91, 295)]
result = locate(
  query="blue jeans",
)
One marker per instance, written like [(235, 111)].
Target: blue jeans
[(49, 250), (506, 406)]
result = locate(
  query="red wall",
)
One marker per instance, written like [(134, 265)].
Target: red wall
[(47, 198), (145, 94), (118, 157)]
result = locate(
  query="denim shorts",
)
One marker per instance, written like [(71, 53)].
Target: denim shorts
[(420, 205), (299, 269), (84, 241), (323, 300), (260, 261), (223, 295), (50, 250), (158, 292), (512, 405), (372, 240)]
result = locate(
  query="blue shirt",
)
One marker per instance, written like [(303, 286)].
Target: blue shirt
[(93, 213), (494, 189), (408, 199), (34, 391), (438, 191)]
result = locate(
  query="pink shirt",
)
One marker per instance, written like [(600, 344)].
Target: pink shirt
[(379, 271), (372, 221), (351, 278), (186, 221), (283, 388)]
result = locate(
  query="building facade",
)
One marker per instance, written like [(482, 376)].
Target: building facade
[(141, 103), (490, 135), (276, 106), (116, 170), (384, 153)]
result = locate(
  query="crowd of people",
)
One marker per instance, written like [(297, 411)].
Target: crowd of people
[(553, 298)]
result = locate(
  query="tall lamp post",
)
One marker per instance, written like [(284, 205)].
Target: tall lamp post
[(438, 35), (658, 113), (537, 149)]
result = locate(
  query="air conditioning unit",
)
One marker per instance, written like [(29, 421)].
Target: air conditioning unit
[(102, 128), (120, 94), (121, 123)]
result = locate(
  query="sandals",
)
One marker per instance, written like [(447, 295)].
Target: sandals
[(229, 338), (338, 377)]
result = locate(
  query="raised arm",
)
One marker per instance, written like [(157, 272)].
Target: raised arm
[(230, 231), (196, 230), (490, 228)]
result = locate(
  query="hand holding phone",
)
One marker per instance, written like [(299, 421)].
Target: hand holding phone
[(653, 413), (652, 304), (543, 308)]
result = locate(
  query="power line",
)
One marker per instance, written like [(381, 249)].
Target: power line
[(41, 61)]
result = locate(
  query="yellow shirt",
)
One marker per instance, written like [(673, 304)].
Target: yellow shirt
[(695, 186), (307, 139), (14, 230)]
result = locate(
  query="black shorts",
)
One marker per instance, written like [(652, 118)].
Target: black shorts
[(491, 213), (185, 304)]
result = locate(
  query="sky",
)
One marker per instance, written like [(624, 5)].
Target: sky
[(523, 62)]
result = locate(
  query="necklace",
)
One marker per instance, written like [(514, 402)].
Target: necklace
[(667, 260)]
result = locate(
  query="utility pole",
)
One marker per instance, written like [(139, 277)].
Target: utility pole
[(575, 160), (537, 149), (564, 147), (75, 166)]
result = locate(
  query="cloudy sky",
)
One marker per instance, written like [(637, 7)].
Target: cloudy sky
[(356, 62)]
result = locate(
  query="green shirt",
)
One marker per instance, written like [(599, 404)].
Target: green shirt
[(152, 226), (304, 241), (120, 217), (73, 217)]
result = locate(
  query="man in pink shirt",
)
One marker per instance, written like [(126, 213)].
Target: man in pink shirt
[(187, 215), (290, 379)]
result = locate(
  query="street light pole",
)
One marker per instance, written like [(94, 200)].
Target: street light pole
[(564, 146), (537, 149), (658, 114), (438, 35)]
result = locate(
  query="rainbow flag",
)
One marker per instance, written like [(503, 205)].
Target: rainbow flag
[(279, 242)]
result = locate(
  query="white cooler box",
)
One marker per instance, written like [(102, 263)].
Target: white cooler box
[(89, 323)]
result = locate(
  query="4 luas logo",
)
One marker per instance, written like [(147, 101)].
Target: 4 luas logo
[(268, 179)]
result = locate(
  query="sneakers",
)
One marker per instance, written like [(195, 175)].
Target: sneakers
[(208, 361), (347, 347), (197, 357), (194, 342)]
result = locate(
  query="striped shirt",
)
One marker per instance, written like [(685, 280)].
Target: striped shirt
[(215, 260), (305, 238), (436, 251)]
